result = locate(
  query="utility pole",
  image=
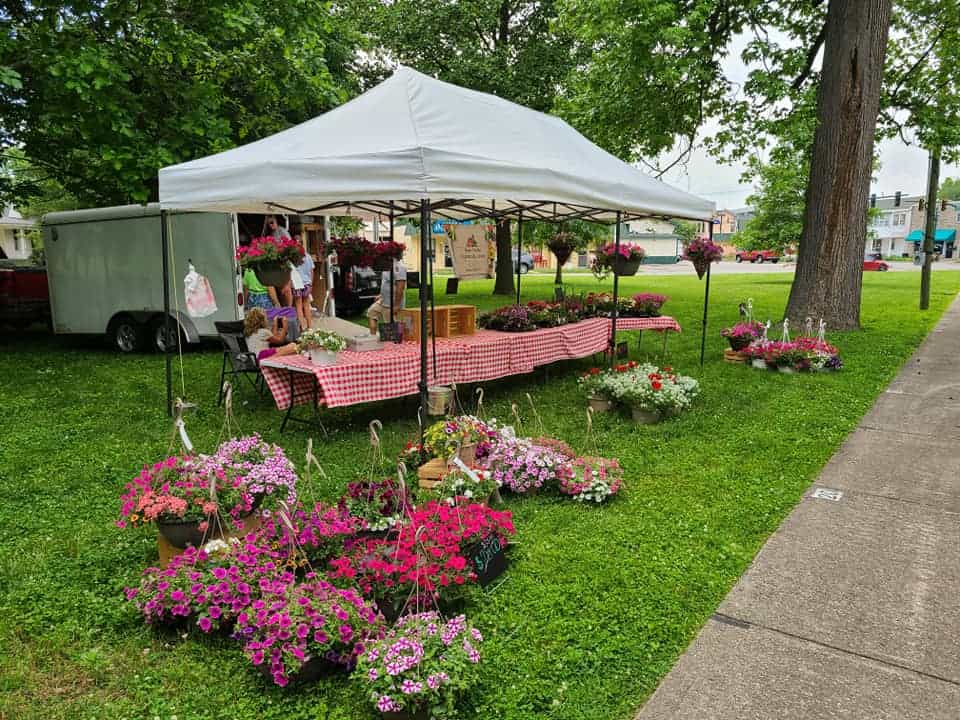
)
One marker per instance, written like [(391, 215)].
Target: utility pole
[(930, 226)]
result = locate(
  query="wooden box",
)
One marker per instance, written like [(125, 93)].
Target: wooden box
[(451, 321), (431, 473), (732, 356), (462, 320)]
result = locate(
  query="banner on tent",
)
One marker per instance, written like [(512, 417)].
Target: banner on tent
[(469, 250)]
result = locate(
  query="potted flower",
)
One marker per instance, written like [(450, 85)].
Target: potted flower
[(594, 479), (756, 352), (418, 669), (742, 334), (321, 346), (260, 468), (206, 588), (271, 258), (648, 304), (176, 494), (380, 504), (513, 318), (352, 251), (299, 629), (385, 253), (598, 396), (460, 435), (473, 485), (652, 393), (523, 467), (626, 261), (427, 562), (701, 252)]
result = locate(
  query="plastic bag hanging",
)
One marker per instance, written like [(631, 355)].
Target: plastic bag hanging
[(198, 293)]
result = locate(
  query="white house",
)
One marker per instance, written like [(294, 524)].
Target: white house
[(889, 228), (14, 243)]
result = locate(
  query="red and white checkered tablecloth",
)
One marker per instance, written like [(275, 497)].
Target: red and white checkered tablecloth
[(394, 370)]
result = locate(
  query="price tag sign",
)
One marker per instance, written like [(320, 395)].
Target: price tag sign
[(488, 559)]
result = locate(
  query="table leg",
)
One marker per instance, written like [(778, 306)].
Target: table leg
[(663, 353), (293, 397)]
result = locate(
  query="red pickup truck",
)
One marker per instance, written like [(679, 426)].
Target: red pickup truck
[(24, 296), (759, 256)]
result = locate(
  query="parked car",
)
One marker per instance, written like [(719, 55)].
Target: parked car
[(758, 256), (876, 264), (24, 295), (526, 262)]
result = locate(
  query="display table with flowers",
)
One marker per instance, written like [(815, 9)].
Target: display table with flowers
[(394, 370)]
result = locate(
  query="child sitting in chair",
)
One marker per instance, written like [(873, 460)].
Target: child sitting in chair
[(264, 342)]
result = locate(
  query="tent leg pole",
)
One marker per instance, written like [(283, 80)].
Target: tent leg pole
[(706, 303), (392, 290), (424, 249), (616, 295), (165, 251), (519, 250)]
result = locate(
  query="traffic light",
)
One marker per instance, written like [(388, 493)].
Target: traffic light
[(943, 205), (873, 200), (896, 199), (921, 204)]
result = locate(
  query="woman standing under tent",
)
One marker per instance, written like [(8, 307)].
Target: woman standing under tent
[(302, 296)]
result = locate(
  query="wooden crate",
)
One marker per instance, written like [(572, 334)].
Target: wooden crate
[(462, 320), (732, 356), (411, 323), (431, 473)]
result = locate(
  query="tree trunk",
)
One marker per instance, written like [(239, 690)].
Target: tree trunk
[(504, 282), (829, 272), (558, 278)]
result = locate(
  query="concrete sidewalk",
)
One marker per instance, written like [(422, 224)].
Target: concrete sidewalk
[(852, 608)]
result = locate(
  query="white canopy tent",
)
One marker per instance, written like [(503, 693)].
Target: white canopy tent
[(416, 145)]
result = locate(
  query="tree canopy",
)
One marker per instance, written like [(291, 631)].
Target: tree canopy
[(106, 92)]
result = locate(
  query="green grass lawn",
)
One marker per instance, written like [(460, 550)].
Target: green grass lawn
[(599, 601)]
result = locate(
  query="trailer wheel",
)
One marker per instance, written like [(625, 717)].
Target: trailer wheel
[(125, 334), (159, 337)]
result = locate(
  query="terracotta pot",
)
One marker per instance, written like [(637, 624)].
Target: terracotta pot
[(273, 274), (645, 417), (600, 404)]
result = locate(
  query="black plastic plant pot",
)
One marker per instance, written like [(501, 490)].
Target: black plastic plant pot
[(272, 274), (623, 267), (188, 532)]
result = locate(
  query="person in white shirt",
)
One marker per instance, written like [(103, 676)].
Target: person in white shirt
[(303, 295), (380, 311), (264, 342)]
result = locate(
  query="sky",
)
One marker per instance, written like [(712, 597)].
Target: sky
[(902, 167)]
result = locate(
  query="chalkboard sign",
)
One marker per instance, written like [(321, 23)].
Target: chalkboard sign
[(488, 558)]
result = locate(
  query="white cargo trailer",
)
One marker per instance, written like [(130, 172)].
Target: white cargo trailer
[(105, 270)]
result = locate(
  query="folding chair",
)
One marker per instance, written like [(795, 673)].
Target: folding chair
[(237, 360)]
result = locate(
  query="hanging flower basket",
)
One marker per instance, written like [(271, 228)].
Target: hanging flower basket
[(600, 404), (642, 416), (624, 267), (382, 264), (273, 274), (438, 399), (188, 532), (701, 266)]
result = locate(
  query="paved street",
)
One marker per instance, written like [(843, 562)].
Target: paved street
[(851, 608)]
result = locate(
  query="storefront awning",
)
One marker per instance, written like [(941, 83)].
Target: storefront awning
[(942, 235)]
